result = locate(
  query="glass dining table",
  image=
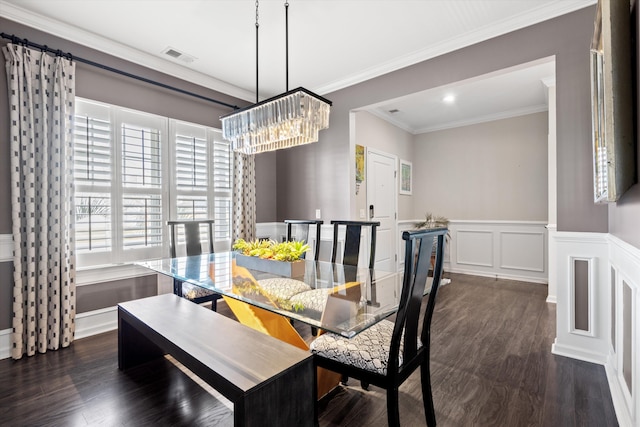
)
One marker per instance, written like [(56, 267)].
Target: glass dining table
[(331, 297)]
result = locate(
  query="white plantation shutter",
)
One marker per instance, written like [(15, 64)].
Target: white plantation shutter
[(134, 171), (93, 168), (142, 184), (201, 177)]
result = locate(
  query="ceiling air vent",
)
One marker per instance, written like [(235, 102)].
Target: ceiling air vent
[(176, 54), (395, 110)]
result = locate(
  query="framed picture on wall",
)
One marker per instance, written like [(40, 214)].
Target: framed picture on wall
[(406, 177)]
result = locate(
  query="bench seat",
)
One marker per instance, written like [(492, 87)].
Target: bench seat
[(266, 379)]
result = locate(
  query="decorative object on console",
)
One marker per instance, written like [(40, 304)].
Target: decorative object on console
[(287, 120), (433, 221)]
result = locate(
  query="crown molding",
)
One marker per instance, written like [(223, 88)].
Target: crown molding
[(483, 119), (119, 50), (509, 25)]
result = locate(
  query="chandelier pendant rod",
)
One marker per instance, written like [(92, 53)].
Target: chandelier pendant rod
[(257, 57), (286, 36)]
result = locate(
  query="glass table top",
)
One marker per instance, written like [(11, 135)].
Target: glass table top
[(334, 297)]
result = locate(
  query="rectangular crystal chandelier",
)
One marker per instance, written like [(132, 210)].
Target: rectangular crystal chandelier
[(287, 120)]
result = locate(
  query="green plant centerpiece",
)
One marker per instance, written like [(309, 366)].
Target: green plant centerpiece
[(270, 256), (270, 249)]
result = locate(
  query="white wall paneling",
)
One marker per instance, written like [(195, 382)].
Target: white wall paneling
[(552, 262), (474, 247), (5, 344), (576, 303), (505, 249), (6, 247), (592, 346), (622, 349), (522, 250)]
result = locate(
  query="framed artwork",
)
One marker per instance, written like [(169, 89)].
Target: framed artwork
[(359, 163), (406, 178)]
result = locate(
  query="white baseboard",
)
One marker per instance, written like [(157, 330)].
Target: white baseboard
[(96, 322), (87, 324), (577, 353), (496, 275)]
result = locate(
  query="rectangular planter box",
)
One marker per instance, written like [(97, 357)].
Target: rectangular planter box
[(281, 268)]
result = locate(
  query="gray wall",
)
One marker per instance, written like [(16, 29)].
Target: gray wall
[(104, 86), (101, 295), (624, 216), (320, 175), (488, 171)]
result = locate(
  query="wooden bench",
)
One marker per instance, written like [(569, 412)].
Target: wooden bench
[(269, 381)]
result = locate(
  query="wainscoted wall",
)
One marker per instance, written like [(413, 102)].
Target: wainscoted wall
[(598, 297), (505, 249), (623, 362), (6, 248)]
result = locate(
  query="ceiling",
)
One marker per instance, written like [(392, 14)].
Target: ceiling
[(332, 44)]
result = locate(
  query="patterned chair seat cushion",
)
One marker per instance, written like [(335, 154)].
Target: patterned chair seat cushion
[(190, 291), (368, 350), (314, 299), (282, 287)]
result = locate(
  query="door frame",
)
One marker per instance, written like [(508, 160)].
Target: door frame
[(395, 196)]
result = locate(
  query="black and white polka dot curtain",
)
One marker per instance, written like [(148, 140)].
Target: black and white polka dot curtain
[(244, 197), (41, 104)]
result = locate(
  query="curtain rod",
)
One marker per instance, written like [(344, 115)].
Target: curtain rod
[(58, 52)]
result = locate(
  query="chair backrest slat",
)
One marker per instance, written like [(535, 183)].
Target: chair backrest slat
[(308, 222), (353, 232)]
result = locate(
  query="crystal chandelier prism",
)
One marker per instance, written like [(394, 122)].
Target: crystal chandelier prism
[(286, 120)]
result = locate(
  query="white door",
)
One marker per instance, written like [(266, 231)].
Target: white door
[(381, 205)]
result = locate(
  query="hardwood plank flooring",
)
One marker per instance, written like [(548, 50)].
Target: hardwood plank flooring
[(491, 365)]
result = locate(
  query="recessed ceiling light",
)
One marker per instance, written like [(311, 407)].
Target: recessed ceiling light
[(449, 99)]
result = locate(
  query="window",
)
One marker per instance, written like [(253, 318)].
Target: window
[(134, 171), (201, 171)]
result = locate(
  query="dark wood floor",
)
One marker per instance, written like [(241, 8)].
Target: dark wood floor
[(491, 366)]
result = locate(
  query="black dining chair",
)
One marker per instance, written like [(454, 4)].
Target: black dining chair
[(193, 247), (388, 352), (353, 231), (308, 223)]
